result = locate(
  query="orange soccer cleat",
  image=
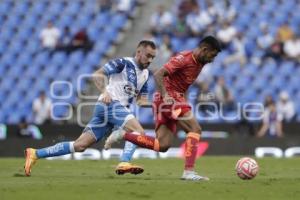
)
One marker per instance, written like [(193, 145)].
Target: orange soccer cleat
[(126, 167), (30, 160)]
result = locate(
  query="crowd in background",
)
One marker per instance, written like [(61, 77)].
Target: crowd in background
[(188, 19)]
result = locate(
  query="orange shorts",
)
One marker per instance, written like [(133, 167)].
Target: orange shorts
[(167, 114)]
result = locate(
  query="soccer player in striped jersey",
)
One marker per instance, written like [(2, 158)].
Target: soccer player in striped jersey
[(127, 80)]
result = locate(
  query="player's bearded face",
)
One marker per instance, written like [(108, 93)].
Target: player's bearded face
[(145, 56), (209, 56)]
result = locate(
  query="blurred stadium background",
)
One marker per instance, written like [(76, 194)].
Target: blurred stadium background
[(259, 61)]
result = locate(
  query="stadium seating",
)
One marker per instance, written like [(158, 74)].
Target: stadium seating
[(26, 68)]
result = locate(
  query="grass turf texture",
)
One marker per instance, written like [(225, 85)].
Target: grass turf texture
[(277, 179)]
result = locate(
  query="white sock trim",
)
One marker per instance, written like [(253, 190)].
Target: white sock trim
[(72, 150)]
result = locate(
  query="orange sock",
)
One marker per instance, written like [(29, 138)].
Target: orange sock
[(143, 141), (191, 147)]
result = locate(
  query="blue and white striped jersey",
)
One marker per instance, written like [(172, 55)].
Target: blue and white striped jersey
[(126, 80)]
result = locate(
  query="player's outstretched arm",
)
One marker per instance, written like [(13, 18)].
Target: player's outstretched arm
[(159, 79), (100, 79)]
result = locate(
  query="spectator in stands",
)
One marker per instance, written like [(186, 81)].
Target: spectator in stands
[(198, 20), (124, 7), (42, 109), (210, 30), (265, 40), (161, 21), (291, 48), (268, 100), (105, 5), (164, 52), (81, 40), (211, 9), (3, 131), (239, 53), (276, 50), (223, 95), (285, 107), (226, 34), (272, 122), (50, 36), (28, 130), (184, 7), (226, 12), (65, 40), (181, 29), (285, 33)]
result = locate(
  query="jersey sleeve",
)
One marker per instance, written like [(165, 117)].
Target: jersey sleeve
[(174, 64), (114, 66)]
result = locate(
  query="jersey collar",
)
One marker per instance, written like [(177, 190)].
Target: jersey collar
[(195, 59)]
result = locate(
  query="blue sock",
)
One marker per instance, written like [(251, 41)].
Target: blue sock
[(128, 151), (58, 149)]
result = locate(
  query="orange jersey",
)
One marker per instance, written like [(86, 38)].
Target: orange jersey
[(183, 71)]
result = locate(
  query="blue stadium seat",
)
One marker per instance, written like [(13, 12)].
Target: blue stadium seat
[(177, 44), (118, 21), (51, 71), (72, 8), (60, 111), (42, 58), (59, 58), (55, 8), (102, 46), (38, 7), (24, 84), (21, 8), (5, 7), (110, 34), (93, 59), (76, 57), (260, 82), (101, 20)]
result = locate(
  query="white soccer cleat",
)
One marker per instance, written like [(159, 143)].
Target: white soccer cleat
[(193, 176), (114, 137)]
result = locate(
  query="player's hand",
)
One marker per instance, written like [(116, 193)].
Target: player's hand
[(168, 100), (106, 98)]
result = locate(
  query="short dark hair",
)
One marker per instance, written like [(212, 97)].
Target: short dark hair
[(212, 42), (145, 43)]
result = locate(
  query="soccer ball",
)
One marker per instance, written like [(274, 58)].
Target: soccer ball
[(246, 168)]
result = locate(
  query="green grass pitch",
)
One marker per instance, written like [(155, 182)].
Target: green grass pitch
[(277, 179)]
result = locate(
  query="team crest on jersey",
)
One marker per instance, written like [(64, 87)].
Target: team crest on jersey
[(179, 57), (130, 90)]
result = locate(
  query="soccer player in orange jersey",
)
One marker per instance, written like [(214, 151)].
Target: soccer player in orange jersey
[(171, 108)]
